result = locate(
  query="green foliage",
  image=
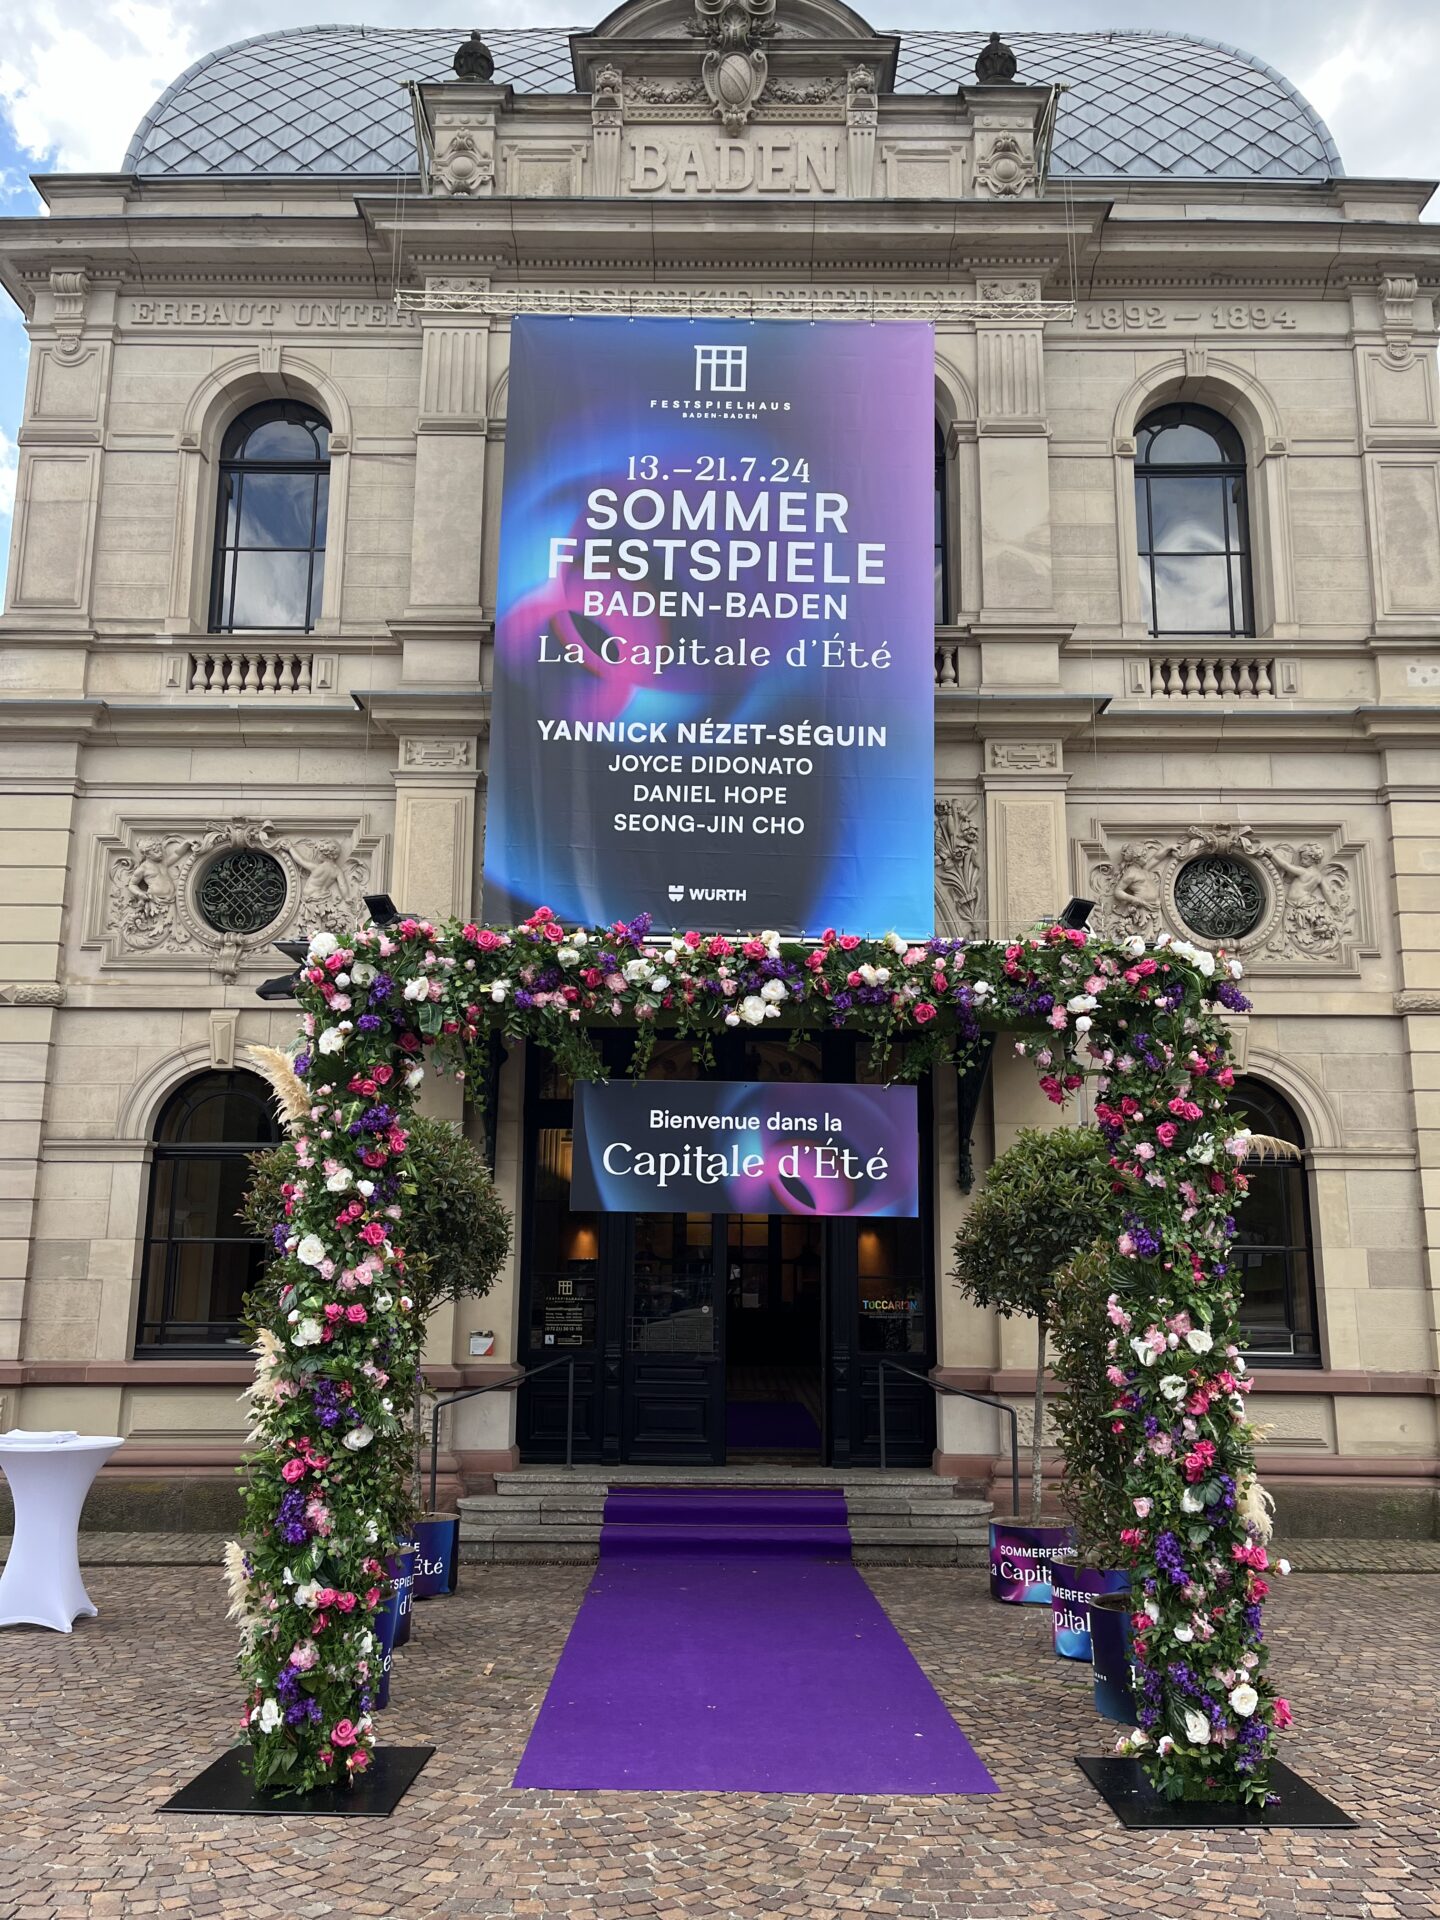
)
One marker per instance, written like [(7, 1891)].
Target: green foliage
[(457, 1228), (1096, 1459), (1046, 1198)]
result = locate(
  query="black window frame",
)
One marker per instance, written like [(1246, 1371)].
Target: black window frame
[(1264, 1109), (942, 528), (1230, 469), (162, 1335), (234, 468)]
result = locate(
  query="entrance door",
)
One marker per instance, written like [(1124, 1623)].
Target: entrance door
[(674, 1398), (774, 1337)]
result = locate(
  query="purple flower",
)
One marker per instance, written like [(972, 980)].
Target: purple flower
[(1229, 995), (302, 1063), (368, 1023)]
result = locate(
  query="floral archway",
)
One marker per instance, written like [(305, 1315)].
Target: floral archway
[(337, 1343)]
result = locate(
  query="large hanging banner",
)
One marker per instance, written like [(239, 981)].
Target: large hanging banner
[(714, 641), (745, 1146)]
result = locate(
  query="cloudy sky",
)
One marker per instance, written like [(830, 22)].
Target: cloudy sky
[(76, 76)]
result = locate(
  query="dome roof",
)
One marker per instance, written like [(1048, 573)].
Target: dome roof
[(332, 100)]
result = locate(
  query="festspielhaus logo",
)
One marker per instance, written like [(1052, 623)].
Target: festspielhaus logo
[(722, 388), (721, 369)]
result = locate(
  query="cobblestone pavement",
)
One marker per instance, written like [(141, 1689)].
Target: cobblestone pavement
[(97, 1729)]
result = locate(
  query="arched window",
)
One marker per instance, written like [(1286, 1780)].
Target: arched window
[(942, 521), (199, 1260), (1193, 524), (1272, 1250), (269, 571)]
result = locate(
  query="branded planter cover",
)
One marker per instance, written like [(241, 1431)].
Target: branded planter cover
[(1021, 1559), (401, 1569), (437, 1555), (1072, 1591), (1110, 1655), (386, 1622)]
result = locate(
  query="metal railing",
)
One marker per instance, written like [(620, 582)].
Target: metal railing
[(512, 1385), (964, 1393)]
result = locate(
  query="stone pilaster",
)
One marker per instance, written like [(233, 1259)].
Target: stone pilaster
[(442, 625)]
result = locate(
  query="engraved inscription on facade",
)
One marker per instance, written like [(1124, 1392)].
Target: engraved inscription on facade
[(803, 160)]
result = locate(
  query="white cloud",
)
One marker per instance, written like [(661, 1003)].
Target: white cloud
[(76, 81)]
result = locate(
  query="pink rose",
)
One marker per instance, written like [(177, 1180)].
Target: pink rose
[(345, 1602), (372, 1233), (342, 1734), (1283, 1716), (925, 1013), (1166, 1133), (848, 942), (356, 1315), (292, 1471)]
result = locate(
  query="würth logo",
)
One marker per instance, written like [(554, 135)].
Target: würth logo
[(721, 369), (677, 893)]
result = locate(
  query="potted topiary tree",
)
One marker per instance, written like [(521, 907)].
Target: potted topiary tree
[(1047, 1197), (457, 1238), (1090, 1606)]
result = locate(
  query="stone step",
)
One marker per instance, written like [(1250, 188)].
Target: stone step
[(577, 1504), (580, 1546)]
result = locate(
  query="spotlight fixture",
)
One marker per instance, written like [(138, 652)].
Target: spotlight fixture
[(383, 910), (1077, 912), (282, 986)]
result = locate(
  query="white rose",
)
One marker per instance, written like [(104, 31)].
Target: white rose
[(339, 1180), (1082, 1003), (567, 956), (1164, 1744), (267, 1715), (382, 1302), (362, 973), (1236, 969), (1084, 1023), (1197, 1728), (322, 944), (1172, 1385), (753, 1010), (1152, 1612), (982, 990), (499, 989), (307, 1334), (332, 1040), (357, 1438), (660, 983), (773, 990), (365, 1188), (311, 1250), (416, 989), (1283, 1565), (581, 939), (1185, 1635), (770, 939), (640, 969), (1199, 1340), (1135, 946), (1190, 1500), (1244, 1699), (306, 1593), (732, 1019), (895, 943), (1143, 1351), (414, 1077)]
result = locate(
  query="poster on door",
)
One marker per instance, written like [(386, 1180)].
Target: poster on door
[(714, 638), (745, 1146)]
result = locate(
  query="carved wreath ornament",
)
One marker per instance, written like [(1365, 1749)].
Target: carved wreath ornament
[(1278, 901), (224, 890), (383, 1009)]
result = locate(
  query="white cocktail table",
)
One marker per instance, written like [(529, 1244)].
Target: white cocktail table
[(49, 1479)]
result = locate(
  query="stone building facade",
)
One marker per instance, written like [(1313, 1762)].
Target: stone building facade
[(1187, 641)]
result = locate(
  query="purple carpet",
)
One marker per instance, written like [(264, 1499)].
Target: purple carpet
[(776, 1426), (746, 1655)]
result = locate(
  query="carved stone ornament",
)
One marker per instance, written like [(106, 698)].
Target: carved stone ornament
[(995, 64), (1021, 756), (1397, 316), (1004, 168), (463, 167), (1302, 896), (164, 894), (70, 287), (665, 93), (803, 93), (474, 60), (607, 90), (959, 902), (32, 993), (734, 71)]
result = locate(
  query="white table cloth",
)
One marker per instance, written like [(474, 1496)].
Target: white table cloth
[(49, 1476)]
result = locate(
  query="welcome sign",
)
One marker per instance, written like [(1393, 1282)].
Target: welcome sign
[(714, 654), (743, 1146)]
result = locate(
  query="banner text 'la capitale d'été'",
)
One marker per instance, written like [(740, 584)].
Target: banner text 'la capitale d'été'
[(714, 642)]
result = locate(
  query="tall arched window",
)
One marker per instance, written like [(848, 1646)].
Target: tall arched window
[(1193, 524), (1272, 1250), (199, 1260), (942, 521), (269, 572)]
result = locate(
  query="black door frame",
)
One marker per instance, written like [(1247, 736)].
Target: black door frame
[(604, 1373)]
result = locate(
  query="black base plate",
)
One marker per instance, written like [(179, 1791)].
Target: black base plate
[(224, 1787), (1131, 1798)]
